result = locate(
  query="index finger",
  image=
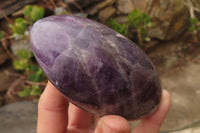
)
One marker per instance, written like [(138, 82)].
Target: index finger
[(52, 111)]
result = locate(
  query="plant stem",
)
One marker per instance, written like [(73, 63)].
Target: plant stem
[(36, 83), (139, 35)]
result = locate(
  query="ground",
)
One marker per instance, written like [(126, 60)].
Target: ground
[(178, 64)]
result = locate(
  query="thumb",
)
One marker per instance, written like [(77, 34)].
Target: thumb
[(112, 124)]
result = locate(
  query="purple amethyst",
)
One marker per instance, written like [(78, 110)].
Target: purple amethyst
[(95, 67)]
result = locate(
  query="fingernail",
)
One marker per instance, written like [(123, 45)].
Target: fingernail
[(166, 96), (106, 129), (101, 128)]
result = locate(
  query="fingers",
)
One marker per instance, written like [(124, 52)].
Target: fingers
[(79, 118), (52, 111), (152, 123), (112, 124), (53, 117)]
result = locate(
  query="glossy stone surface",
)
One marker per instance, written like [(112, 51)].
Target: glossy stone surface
[(96, 68)]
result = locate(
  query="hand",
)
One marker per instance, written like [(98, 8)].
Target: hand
[(55, 116)]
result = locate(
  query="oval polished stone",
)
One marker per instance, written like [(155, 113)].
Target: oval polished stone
[(96, 68)]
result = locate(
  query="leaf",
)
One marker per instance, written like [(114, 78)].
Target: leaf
[(149, 24), (65, 13), (33, 68), (33, 13), (37, 13), (194, 24), (143, 32), (38, 76), (138, 19), (134, 18), (145, 18), (25, 92), (192, 28), (121, 28), (1, 34), (34, 77), (36, 91), (193, 21), (27, 10), (20, 26), (20, 64), (24, 54), (148, 39)]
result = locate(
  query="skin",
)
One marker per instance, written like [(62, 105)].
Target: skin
[(55, 116)]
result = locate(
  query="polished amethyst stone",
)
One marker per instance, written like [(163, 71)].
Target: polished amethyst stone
[(95, 67)]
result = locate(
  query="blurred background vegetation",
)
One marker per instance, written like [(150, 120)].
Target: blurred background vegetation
[(168, 31)]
